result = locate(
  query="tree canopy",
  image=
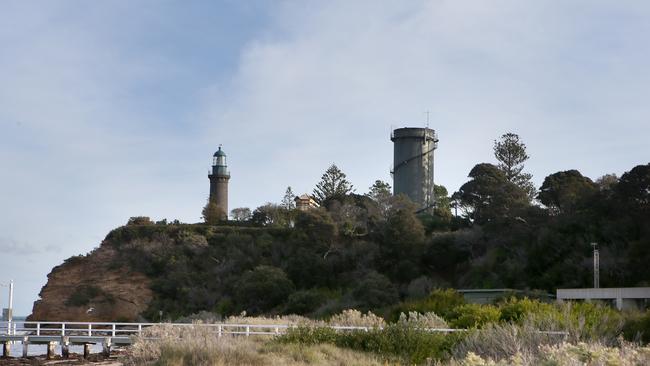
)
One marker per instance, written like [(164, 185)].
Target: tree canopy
[(510, 153), (333, 185), (563, 191)]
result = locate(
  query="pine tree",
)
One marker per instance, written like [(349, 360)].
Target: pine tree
[(333, 184), (288, 201), (510, 153)]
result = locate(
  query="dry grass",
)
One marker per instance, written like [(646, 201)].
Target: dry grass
[(176, 346), (499, 345), (566, 354)]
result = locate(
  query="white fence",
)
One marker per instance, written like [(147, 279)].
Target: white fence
[(100, 329)]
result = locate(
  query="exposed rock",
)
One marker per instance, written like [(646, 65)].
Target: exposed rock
[(92, 288)]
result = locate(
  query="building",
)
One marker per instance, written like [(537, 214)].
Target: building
[(219, 177), (490, 296), (305, 202), (413, 165), (623, 298)]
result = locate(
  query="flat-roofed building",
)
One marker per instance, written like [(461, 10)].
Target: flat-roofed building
[(623, 297)]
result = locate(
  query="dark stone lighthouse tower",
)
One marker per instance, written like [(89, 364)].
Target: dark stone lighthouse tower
[(219, 181)]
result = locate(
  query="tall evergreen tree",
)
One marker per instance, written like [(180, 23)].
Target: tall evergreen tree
[(379, 190), (288, 202), (333, 184), (510, 153)]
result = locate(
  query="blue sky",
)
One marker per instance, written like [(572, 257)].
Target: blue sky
[(113, 109)]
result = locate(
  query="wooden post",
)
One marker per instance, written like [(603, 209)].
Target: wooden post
[(50, 350), (106, 347), (86, 350), (25, 346), (6, 348), (65, 347)]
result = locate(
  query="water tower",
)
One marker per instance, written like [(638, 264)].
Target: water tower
[(413, 165)]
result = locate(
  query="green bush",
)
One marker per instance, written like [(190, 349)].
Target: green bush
[(473, 316), (582, 320), (637, 328), (440, 301), (413, 345), (516, 310), (82, 295), (262, 289), (303, 302), (374, 291), (309, 335)]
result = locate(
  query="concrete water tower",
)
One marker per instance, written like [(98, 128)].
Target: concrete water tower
[(413, 165), (219, 178)]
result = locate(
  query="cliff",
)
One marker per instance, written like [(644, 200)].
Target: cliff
[(93, 288)]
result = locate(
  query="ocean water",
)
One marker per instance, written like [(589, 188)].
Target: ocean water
[(41, 349)]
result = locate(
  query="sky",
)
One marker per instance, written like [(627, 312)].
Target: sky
[(113, 109)]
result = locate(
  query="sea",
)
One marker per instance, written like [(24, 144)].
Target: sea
[(41, 349)]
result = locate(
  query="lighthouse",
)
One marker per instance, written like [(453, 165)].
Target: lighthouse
[(219, 178)]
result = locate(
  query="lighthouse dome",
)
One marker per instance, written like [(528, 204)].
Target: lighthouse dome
[(219, 153)]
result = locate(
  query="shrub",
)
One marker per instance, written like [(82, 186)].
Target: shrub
[(375, 291), (503, 341), (309, 335), (139, 220), (262, 289), (411, 344), (82, 295), (439, 301), (474, 316), (356, 318), (637, 328), (583, 321), (516, 310), (425, 321), (303, 302)]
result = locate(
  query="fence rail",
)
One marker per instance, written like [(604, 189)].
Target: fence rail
[(106, 329), (108, 334)]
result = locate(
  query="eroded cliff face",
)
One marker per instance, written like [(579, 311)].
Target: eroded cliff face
[(93, 288)]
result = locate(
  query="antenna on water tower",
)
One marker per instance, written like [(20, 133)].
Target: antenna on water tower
[(596, 265), (427, 112)]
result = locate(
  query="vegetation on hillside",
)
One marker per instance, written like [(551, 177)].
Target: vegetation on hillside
[(516, 331), (372, 251)]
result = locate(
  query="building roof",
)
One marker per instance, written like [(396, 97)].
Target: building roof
[(219, 152), (303, 196)]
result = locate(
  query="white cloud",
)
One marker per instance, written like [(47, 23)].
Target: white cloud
[(330, 79)]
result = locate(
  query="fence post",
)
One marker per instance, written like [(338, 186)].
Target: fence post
[(65, 347), (38, 328), (248, 330), (6, 349), (219, 330), (62, 329), (106, 346), (113, 333), (139, 329), (25, 346), (90, 330)]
